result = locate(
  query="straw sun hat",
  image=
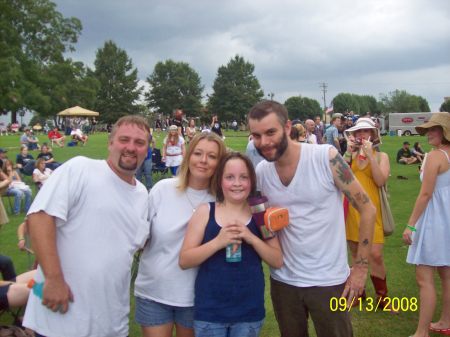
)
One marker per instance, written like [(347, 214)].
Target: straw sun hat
[(364, 123), (441, 119)]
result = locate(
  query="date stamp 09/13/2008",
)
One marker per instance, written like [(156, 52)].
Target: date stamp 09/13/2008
[(370, 304)]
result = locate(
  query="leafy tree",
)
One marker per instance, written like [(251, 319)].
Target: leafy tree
[(401, 101), (367, 103), (302, 108), (423, 104), (345, 102), (174, 85), (445, 107), (67, 84), (236, 89), (33, 35), (118, 90), (359, 104)]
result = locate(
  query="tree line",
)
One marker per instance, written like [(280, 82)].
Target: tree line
[(36, 75)]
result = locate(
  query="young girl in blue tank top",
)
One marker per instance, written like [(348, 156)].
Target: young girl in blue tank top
[(229, 296)]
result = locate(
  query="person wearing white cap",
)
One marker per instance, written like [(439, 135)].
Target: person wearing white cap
[(428, 229), (371, 168), (173, 149)]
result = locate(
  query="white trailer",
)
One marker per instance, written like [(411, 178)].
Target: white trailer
[(404, 123)]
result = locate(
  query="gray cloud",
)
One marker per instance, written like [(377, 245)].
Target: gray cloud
[(364, 47)]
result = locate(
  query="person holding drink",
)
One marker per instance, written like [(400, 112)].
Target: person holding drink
[(229, 293)]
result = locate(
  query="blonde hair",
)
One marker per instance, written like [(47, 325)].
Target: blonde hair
[(301, 130), (38, 162), (183, 171), (172, 138)]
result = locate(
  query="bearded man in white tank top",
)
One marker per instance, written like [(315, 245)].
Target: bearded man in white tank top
[(314, 245)]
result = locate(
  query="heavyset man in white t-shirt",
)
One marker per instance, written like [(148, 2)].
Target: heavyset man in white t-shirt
[(85, 225), (314, 246)]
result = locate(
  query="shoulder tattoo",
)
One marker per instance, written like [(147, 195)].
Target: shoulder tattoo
[(344, 172)]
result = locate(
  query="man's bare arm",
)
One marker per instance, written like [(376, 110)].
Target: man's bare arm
[(351, 188), (42, 229)]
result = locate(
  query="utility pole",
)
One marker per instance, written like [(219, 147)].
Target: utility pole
[(324, 87), (271, 94)]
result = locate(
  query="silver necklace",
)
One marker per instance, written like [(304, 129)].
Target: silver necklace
[(192, 204)]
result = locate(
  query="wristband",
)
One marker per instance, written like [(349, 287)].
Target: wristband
[(20, 239), (413, 229)]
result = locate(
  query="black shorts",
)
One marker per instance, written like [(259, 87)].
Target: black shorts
[(4, 304)]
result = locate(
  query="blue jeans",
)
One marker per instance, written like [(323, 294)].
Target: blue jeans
[(146, 170), (53, 165), (18, 196), (32, 146), (173, 170), (242, 329), (28, 168)]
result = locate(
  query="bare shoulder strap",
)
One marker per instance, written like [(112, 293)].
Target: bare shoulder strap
[(446, 154)]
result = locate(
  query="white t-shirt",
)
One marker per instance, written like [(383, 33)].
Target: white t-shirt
[(311, 139), (100, 222), (76, 132), (41, 177), (314, 244), (160, 278)]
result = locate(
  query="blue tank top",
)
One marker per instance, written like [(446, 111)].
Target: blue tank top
[(229, 292)]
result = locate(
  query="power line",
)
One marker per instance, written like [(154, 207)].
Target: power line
[(324, 87)]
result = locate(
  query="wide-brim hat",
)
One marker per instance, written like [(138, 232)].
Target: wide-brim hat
[(441, 119), (364, 123)]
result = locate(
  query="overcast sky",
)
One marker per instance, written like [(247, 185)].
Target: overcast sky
[(362, 47)]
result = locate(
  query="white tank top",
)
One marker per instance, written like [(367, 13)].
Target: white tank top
[(314, 244)]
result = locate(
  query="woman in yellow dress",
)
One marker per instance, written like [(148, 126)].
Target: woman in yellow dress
[(371, 168)]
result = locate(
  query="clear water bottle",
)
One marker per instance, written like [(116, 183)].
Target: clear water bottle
[(233, 257)]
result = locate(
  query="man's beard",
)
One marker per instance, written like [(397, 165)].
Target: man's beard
[(281, 149), (128, 167)]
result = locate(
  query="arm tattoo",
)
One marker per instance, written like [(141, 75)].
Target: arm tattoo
[(344, 171), (362, 197), (365, 242), (350, 199)]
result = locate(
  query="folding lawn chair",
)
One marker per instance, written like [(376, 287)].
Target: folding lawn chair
[(157, 164)]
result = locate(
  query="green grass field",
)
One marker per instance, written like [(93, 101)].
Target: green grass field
[(401, 276)]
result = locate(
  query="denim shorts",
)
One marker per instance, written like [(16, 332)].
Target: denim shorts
[(151, 313), (241, 329)]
